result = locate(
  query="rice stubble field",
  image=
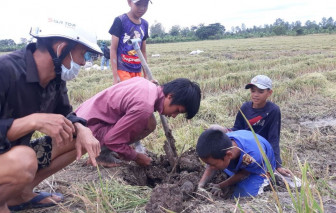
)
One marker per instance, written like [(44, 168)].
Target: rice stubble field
[(303, 70)]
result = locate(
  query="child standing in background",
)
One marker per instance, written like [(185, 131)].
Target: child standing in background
[(124, 61)]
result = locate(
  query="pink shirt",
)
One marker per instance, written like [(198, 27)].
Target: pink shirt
[(120, 113)]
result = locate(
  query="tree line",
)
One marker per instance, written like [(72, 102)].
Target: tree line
[(8, 45), (216, 31)]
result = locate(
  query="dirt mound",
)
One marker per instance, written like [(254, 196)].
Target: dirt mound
[(173, 186)]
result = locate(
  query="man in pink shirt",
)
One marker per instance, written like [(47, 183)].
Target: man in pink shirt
[(123, 114)]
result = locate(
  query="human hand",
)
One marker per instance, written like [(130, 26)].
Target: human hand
[(215, 189), (200, 185), (202, 192), (58, 127), (284, 171), (85, 140), (143, 160)]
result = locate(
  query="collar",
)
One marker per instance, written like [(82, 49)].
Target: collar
[(158, 106), (32, 73)]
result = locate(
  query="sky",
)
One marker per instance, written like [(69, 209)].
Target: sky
[(17, 16)]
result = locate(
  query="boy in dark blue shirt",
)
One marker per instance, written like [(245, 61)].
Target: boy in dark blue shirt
[(238, 153), (264, 116), (125, 62)]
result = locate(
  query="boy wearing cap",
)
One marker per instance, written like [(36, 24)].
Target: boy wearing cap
[(263, 115), (33, 97), (238, 153), (125, 62)]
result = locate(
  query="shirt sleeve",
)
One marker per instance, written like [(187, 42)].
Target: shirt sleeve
[(6, 123), (239, 122), (5, 144), (116, 28), (258, 165), (74, 119), (146, 31), (118, 138), (274, 134)]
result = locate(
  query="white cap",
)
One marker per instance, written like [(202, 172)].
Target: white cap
[(260, 81), (64, 29)]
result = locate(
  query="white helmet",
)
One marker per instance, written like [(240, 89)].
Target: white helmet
[(68, 30)]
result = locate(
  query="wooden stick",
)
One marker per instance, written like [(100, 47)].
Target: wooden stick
[(169, 145)]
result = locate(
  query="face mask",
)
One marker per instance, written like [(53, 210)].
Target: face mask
[(69, 74)]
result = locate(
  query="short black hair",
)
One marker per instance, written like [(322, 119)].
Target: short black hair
[(213, 143), (185, 93)]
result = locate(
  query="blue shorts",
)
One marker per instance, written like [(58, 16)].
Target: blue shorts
[(250, 186)]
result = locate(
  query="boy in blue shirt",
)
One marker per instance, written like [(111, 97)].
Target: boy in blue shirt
[(263, 115), (125, 62), (238, 153)]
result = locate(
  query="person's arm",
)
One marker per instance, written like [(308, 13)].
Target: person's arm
[(216, 189), (237, 177), (5, 144), (5, 123), (144, 53), (274, 119), (85, 141), (239, 122), (58, 127), (114, 59), (206, 177), (274, 140), (116, 32)]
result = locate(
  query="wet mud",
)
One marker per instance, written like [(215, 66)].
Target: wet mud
[(172, 185)]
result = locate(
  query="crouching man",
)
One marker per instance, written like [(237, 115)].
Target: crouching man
[(237, 154), (33, 97), (123, 114)]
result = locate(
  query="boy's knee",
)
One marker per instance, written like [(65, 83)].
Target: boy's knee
[(24, 165)]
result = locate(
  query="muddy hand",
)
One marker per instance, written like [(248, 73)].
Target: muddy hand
[(202, 192), (200, 185), (215, 189), (201, 189), (142, 159)]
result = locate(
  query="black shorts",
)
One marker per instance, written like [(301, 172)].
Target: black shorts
[(42, 146)]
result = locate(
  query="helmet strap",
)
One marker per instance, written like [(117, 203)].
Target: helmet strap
[(58, 60)]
